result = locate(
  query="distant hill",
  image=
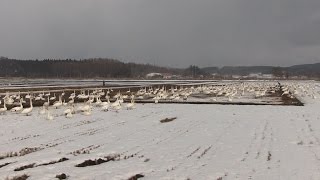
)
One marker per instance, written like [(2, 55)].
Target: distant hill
[(211, 70), (245, 70), (297, 70), (304, 69)]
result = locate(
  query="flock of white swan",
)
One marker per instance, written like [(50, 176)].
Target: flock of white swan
[(93, 98)]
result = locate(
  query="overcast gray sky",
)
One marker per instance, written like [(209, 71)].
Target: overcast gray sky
[(173, 33)]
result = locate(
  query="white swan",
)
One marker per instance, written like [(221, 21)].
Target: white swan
[(28, 96), (87, 112), (69, 110), (156, 99), (69, 115), (4, 109), (73, 95), (43, 110), (117, 108), (9, 100), (47, 103), (90, 100), (18, 96), (105, 105), (64, 102), (38, 98), (116, 105), (85, 107), (131, 105), (27, 111), (54, 97), (49, 116), (71, 101), (23, 101), (58, 104), (18, 108), (105, 102), (98, 101)]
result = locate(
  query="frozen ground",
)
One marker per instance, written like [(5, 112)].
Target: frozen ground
[(204, 142)]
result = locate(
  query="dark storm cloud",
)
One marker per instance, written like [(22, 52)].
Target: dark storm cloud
[(167, 32)]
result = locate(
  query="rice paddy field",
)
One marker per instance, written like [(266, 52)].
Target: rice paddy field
[(220, 130)]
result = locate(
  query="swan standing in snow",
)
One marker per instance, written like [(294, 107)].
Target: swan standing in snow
[(69, 110), (98, 101), (53, 98), (91, 99), (64, 103), (116, 105), (214, 98), (58, 103), (105, 105), (28, 96), (156, 99), (131, 104), (117, 108), (4, 109), (49, 116), (47, 104), (27, 111), (18, 108), (18, 96), (85, 107), (69, 115), (43, 110), (87, 112), (8, 100)]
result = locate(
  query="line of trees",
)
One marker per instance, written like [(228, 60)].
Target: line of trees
[(68, 68)]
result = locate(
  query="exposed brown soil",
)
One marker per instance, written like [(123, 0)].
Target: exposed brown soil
[(62, 176), (53, 162), (269, 156), (168, 120), (25, 167), (5, 164), (136, 177), (33, 165), (99, 161), (22, 177)]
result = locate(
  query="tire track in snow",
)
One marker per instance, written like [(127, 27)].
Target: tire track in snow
[(307, 139), (209, 151)]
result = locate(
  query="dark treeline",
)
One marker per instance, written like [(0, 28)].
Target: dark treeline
[(88, 68)]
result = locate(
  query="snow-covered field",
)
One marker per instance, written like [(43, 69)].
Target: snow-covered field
[(203, 142)]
